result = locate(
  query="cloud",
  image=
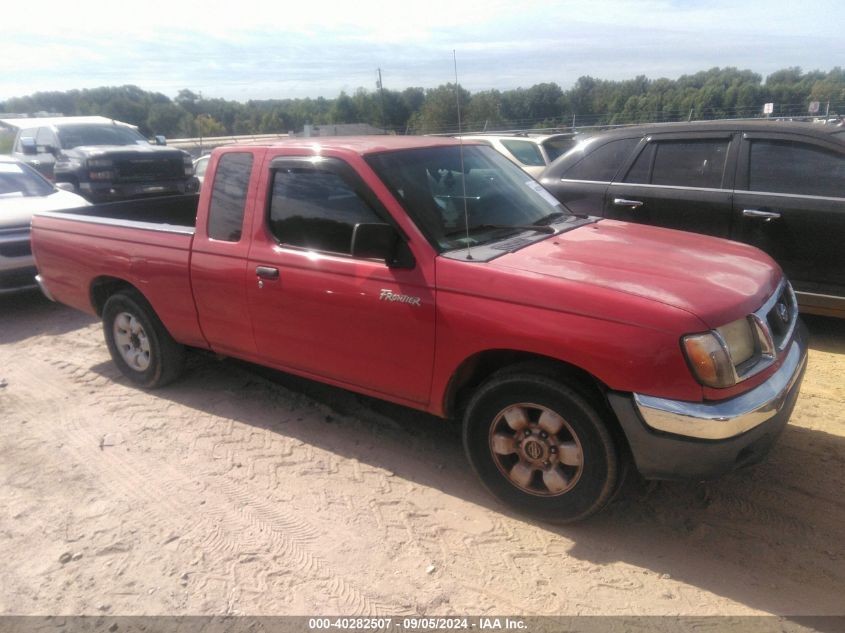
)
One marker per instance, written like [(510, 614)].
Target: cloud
[(283, 49)]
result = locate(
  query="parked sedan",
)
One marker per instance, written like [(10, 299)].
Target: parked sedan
[(23, 191), (532, 152), (778, 186), (200, 165)]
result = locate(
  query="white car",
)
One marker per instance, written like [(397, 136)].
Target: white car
[(200, 165), (23, 191), (532, 152)]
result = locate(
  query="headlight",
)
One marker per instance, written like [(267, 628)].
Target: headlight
[(715, 356), (96, 163), (739, 339)]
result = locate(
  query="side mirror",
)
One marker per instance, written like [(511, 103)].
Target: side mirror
[(28, 146), (381, 241), (160, 140)]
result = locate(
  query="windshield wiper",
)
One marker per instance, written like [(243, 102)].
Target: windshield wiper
[(519, 227), (548, 219)]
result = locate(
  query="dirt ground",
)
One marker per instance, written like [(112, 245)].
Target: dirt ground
[(240, 491)]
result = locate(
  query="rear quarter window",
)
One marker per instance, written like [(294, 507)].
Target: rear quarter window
[(797, 168), (525, 152), (603, 162)]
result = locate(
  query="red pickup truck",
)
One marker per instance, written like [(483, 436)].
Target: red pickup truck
[(439, 276)]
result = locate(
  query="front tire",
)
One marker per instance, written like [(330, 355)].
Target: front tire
[(138, 342), (540, 447)]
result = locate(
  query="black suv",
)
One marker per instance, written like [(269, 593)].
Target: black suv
[(778, 186), (102, 159)]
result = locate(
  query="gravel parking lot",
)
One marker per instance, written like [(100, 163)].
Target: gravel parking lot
[(237, 490)]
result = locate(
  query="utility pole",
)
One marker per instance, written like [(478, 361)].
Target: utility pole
[(381, 95)]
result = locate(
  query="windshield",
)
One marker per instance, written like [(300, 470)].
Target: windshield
[(21, 181), (71, 136), (430, 184)]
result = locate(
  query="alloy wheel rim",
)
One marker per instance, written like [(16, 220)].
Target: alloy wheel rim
[(132, 342), (536, 450)]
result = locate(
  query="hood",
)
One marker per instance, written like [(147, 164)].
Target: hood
[(93, 151), (17, 211), (716, 280)]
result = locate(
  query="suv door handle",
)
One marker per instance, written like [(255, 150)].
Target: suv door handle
[(766, 216), (623, 202), (267, 272)]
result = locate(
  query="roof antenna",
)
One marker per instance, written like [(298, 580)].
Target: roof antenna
[(461, 141)]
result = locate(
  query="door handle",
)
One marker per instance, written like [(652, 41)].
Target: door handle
[(623, 202), (267, 272), (766, 216)]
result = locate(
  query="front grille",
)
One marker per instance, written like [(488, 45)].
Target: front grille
[(774, 324), (782, 315), (147, 169)]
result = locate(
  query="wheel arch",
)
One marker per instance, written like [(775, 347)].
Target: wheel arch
[(482, 365), (104, 287)]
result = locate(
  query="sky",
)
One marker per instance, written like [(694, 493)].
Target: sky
[(259, 49)]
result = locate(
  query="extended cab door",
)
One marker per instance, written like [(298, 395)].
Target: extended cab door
[(679, 182), (220, 250), (318, 310), (790, 199)]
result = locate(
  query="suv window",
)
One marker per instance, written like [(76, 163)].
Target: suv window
[(228, 197), (316, 209), (526, 152), (693, 163), (788, 167), (603, 162)]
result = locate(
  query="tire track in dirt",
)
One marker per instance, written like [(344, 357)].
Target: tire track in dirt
[(416, 530), (227, 426), (253, 525)]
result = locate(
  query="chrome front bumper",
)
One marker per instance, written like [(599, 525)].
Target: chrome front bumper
[(729, 418)]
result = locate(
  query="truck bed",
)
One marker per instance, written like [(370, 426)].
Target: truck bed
[(171, 211), (145, 243)]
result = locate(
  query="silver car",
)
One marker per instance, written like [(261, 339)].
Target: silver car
[(23, 191)]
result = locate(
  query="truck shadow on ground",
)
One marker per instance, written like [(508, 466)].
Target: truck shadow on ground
[(27, 314), (768, 537)]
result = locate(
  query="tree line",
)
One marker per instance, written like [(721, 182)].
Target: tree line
[(715, 93)]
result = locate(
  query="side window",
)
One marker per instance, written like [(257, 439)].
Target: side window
[(228, 197), (603, 162), (786, 167), (525, 152), (316, 209), (699, 163)]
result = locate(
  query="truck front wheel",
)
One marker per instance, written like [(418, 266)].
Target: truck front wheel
[(540, 447), (139, 344)]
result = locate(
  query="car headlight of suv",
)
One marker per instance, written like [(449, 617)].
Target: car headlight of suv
[(717, 357), (99, 163)]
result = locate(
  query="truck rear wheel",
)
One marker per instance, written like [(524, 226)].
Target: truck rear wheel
[(139, 344), (540, 447)]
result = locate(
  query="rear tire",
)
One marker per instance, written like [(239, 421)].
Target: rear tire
[(138, 342), (540, 447)]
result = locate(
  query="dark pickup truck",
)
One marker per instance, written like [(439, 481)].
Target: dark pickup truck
[(103, 160)]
